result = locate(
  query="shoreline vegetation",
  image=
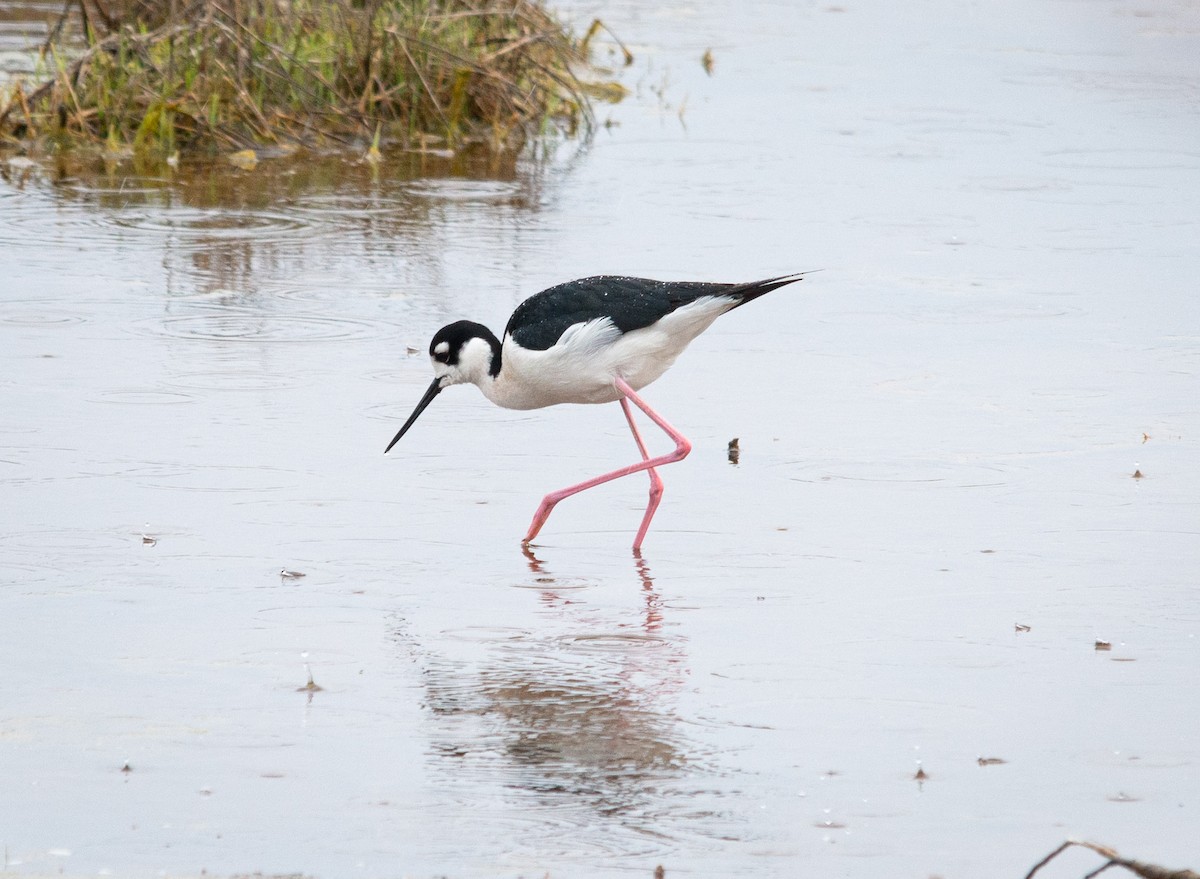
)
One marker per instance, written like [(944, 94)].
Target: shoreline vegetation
[(212, 77)]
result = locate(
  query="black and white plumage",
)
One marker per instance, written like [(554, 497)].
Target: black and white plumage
[(593, 340)]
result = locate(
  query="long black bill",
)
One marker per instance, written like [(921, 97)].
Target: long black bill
[(434, 390)]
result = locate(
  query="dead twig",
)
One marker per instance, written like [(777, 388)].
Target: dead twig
[(110, 23), (421, 76), (597, 26), (56, 30), (1138, 868), (106, 45)]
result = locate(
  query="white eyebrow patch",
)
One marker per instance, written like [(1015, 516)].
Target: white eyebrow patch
[(441, 348)]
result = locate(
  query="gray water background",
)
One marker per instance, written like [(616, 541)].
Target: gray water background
[(938, 438)]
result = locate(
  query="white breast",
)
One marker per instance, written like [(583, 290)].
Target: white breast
[(581, 366)]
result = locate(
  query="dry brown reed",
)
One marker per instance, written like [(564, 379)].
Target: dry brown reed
[(220, 75)]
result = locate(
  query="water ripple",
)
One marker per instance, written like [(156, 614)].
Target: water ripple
[(40, 318), (464, 190), (251, 326), (223, 479), (231, 380), (145, 397), (200, 227), (35, 219)]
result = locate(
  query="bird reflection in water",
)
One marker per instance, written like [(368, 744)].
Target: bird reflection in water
[(578, 715), (652, 621)]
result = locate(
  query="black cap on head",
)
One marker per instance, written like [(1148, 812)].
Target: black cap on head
[(450, 339)]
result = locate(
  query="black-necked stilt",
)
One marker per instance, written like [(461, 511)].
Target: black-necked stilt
[(594, 340)]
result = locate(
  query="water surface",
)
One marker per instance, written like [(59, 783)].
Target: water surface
[(933, 520)]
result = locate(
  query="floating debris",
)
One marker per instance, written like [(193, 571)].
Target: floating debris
[(734, 451), (706, 61), (312, 686), (1021, 627), (1122, 797), (1103, 645), (990, 761), (147, 540), (1145, 437)]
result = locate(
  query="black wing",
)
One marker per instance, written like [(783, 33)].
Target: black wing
[(631, 303)]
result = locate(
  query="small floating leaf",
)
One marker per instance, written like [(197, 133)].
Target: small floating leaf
[(610, 92), (247, 160)]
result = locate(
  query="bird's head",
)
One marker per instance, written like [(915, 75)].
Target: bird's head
[(463, 351)]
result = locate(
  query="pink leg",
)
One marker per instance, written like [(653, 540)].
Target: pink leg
[(682, 447), (656, 483)]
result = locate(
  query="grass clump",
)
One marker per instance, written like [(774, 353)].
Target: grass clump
[(219, 75)]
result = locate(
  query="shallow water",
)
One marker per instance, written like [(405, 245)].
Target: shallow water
[(938, 437)]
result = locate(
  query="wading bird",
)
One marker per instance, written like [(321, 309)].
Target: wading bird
[(594, 340)]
